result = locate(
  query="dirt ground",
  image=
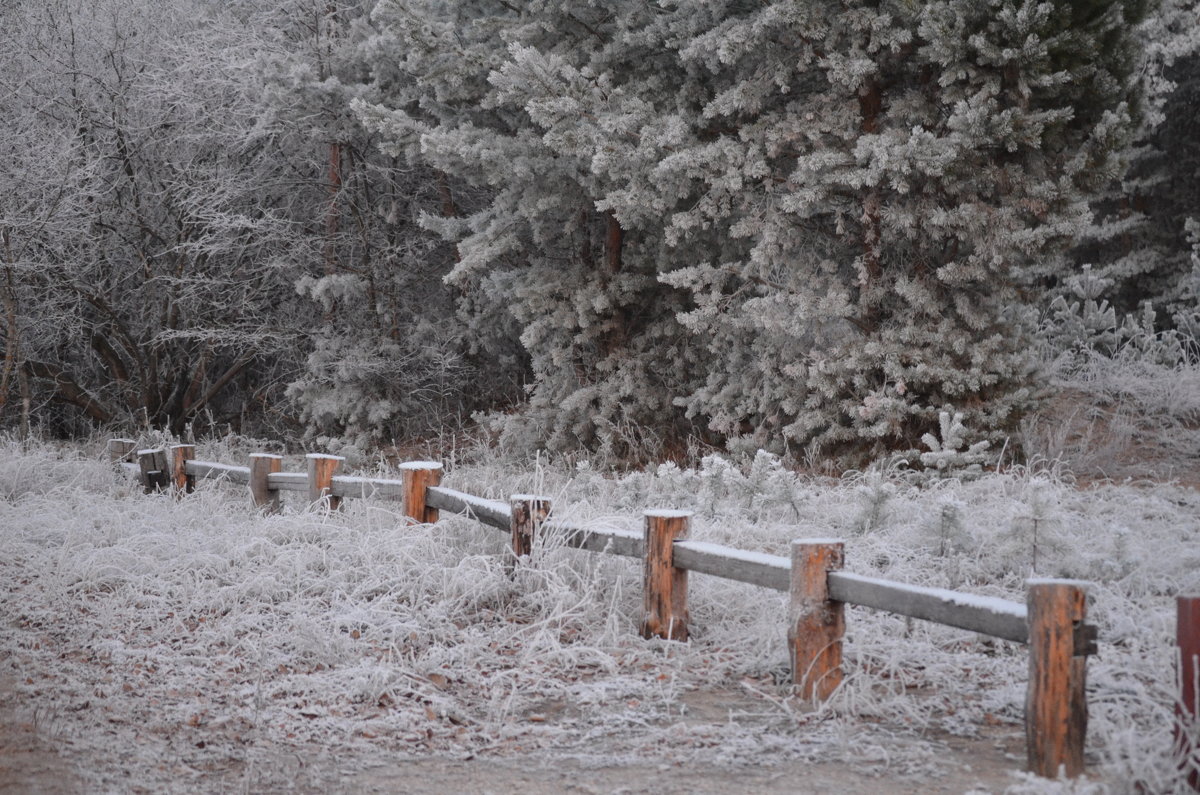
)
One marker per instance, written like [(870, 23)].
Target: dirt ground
[(35, 757)]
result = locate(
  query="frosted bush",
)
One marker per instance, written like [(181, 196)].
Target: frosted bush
[(950, 453)]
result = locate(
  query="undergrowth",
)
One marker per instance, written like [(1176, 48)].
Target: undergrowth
[(196, 631)]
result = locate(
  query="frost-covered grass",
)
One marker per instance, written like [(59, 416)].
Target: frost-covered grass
[(1121, 415), (184, 643)]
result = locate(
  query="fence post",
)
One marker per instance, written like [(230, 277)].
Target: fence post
[(262, 465), (664, 587), (320, 479), (155, 475), (528, 513), (120, 450), (1055, 703), (417, 476), (180, 455), (1187, 709), (816, 623)]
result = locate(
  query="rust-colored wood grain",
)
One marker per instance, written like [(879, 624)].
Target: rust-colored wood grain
[(1055, 704), (180, 479), (664, 594), (418, 476), (817, 622), (321, 469)]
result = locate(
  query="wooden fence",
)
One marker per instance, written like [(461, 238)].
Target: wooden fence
[(1052, 622)]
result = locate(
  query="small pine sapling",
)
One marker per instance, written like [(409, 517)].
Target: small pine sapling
[(946, 528), (946, 456), (874, 491), (1036, 530)]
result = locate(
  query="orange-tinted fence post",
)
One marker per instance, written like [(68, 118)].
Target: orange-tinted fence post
[(816, 622), (321, 469), (180, 455), (1187, 709), (664, 587), (1055, 704), (418, 476)]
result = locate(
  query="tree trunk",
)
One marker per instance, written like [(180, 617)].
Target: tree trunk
[(11, 327), (69, 391), (870, 103)]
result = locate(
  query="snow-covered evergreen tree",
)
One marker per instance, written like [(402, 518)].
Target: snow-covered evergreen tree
[(1138, 241), (521, 107), (387, 359), (902, 180), (806, 224)]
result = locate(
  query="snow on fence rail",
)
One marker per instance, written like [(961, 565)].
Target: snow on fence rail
[(1052, 622)]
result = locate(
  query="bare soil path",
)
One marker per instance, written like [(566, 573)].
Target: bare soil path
[(35, 758)]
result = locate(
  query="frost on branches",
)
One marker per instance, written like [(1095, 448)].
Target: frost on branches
[(1139, 241), (802, 224)]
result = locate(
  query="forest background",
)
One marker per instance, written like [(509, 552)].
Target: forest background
[(831, 231), (747, 241)]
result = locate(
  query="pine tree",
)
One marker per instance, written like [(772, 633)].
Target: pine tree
[(924, 165), (386, 359), (519, 108), (805, 224), (1138, 242)]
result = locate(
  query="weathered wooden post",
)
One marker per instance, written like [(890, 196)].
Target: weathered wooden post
[(817, 623), (261, 466), (664, 587), (1187, 709), (528, 513), (418, 476), (120, 451), (155, 474), (321, 469), (1055, 703), (180, 455)]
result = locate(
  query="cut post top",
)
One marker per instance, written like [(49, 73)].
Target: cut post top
[(270, 455), (151, 451), (529, 497), (183, 447), (421, 465), (667, 513), (1032, 581), (123, 441), (323, 456), (822, 541)]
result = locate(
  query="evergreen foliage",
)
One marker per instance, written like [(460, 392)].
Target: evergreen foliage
[(1139, 239), (821, 223), (386, 358), (786, 225)]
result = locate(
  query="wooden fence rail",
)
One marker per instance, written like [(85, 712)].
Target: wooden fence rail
[(1052, 622)]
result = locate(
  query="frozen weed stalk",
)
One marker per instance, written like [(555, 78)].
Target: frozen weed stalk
[(947, 525)]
